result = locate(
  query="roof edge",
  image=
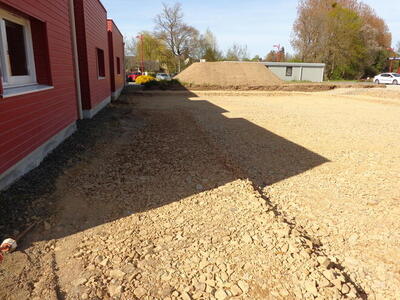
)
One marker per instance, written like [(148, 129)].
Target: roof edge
[(294, 64), (115, 25)]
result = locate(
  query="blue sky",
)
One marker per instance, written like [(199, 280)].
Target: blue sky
[(259, 24)]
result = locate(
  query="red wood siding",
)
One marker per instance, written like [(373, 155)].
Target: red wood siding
[(116, 45), (41, 52), (82, 54), (28, 121), (91, 23)]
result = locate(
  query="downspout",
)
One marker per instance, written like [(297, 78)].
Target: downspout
[(75, 57)]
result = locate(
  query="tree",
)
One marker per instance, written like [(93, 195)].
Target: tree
[(271, 56), (130, 52), (207, 47), (256, 58), (152, 47), (237, 53), (130, 46), (344, 47), (398, 47), (156, 53), (180, 38), (347, 35)]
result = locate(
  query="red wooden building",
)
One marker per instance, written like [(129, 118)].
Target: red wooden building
[(54, 60), (92, 38), (116, 57)]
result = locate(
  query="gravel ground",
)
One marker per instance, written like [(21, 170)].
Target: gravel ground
[(220, 196)]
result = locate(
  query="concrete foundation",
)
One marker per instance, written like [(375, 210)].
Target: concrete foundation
[(90, 113), (35, 158), (116, 94)]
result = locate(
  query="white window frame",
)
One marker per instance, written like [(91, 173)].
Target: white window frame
[(14, 81)]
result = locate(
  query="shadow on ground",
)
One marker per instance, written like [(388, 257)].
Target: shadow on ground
[(145, 151)]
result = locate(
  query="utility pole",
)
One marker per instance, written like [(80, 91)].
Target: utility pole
[(391, 61), (141, 37)]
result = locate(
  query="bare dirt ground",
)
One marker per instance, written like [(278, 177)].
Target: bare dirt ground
[(216, 195)]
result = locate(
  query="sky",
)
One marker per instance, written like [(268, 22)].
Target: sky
[(259, 24)]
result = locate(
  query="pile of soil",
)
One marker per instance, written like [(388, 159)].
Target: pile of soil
[(228, 74)]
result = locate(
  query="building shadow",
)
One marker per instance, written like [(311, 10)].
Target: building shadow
[(167, 146)]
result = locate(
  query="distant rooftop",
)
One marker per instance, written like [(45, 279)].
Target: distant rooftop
[(292, 64)]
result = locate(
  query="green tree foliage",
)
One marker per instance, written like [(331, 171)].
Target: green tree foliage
[(345, 49), (256, 58), (347, 35)]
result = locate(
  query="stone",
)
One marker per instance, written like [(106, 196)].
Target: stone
[(79, 281), (244, 286), (185, 296), (311, 287), (84, 296), (175, 293), (284, 232), (199, 187), (47, 226), (224, 276), (115, 290), (139, 292), (201, 287), (324, 261), (247, 238), (220, 294), (117, 274), (283, 292), (353, 239), (328, 274), (345, 289), (236, 291), (323, 282), (104, 262)]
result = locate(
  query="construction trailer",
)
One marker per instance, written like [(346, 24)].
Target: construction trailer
[(288, 71), (55, 70)]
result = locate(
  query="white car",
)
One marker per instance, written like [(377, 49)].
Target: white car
[(387, 78), (163, 76)]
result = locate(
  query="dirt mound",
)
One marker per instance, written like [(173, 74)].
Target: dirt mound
[(240, 74)]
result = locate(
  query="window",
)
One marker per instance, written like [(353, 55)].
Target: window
[(100, 64), (16, 59), (118, 66), (289, 71)]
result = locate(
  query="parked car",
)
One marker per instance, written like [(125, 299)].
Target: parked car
[(387, 78), (163, 76), (132, 76)]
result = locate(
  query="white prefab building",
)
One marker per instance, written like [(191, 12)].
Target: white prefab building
[(289, 71)]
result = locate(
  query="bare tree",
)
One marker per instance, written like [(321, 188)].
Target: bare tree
[(130, 46), (207, 47), (237, 53), (180, 37), (130, 52)]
